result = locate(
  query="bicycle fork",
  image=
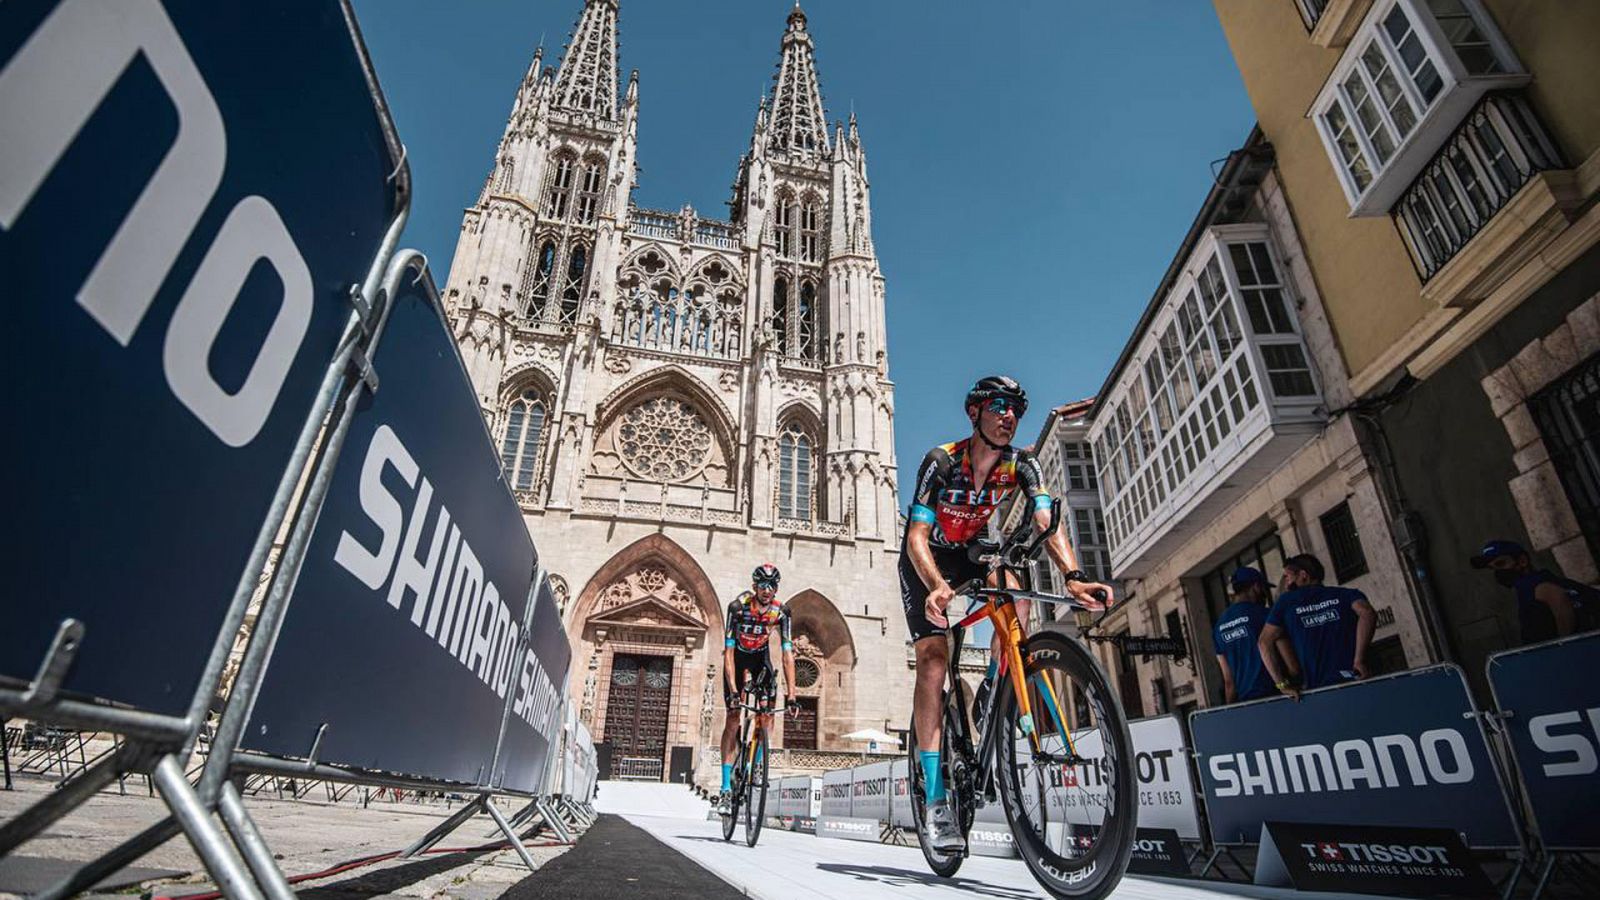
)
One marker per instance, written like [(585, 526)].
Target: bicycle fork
[(1012, 664)]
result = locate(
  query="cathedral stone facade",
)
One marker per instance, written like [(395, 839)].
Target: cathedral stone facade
[(679, 398)]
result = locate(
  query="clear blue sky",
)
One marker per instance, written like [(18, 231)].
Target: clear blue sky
[(1034, 163)]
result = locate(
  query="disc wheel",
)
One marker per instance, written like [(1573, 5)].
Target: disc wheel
[(1072, 807), (755, 806)]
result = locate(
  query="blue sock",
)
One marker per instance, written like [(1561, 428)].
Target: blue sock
[(932, 775), (994, 666), (758, 755), (727, 777)]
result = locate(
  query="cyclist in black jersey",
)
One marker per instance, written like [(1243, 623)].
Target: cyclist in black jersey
[(752, 618), (958, 488)]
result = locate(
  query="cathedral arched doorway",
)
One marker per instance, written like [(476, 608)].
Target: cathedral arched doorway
[(646, 621), (825, 669)]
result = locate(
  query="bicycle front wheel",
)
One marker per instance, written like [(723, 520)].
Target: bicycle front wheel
[(1073, 803), (755, 805)]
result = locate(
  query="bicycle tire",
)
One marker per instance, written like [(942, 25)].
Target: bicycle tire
[(735, 792), (755, 807), (1096, 872), (944, 865)]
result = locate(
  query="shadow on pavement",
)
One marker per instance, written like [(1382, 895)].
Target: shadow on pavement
[(890, 876), (390, 881)]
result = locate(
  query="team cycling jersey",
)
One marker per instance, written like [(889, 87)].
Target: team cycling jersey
[(750, 625), (958, 509)]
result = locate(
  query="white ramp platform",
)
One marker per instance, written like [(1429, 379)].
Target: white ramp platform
[(788, 865), (650, 798)]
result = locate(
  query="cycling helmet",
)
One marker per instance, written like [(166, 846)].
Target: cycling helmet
[(994, 386), (765, 573)]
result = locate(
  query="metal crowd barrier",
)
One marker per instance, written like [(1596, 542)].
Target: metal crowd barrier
[(101, 580)]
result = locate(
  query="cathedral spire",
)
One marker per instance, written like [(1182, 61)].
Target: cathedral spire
[(587, 81), (797, 126)]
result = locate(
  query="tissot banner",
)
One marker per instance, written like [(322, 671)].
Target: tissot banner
[(869, 792), (836, 792), (1366, 859), (1402, 750), (187, 192), (900, 813), (1161, 763), (405, 633), (1551, 696)]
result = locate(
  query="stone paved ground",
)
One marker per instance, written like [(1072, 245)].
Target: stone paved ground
[(309, 835)]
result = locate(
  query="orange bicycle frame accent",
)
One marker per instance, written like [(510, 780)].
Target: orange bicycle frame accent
[(1008, 625)]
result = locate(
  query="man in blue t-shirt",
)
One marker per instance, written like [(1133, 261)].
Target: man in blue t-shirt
[(1329, 628), (1548, 606), (1235, 636)]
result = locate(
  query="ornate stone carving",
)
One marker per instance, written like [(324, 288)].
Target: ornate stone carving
[(618, 365), (729, 381), (664, 440)]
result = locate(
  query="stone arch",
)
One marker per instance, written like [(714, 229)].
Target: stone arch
[(803, 414), (635, 263), (822, 636), (660, 548), (667, 379), (531, 370), (651, 599)]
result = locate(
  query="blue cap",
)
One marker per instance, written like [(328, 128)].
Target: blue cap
[(1245, 575), (1494, 549)]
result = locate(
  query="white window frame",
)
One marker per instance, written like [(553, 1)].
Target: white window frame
[(1436, 120)]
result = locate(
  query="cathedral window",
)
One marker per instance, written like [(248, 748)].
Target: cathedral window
[(780, 314), (810, 232), (806, 321), (572, 291), (594, 176), (794, 474), (536, 277), (784, 230), (519, 448), (664, 439), (559, 197)]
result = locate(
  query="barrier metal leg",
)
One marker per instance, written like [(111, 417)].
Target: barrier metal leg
[(257, 855), (113, 861), (203, 833), (510, 833), (554, 821), (5, 752), (70, 796), (456, 820), (519, 819), (1545, 873)]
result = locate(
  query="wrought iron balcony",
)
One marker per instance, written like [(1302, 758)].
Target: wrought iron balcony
[(1499, 148)]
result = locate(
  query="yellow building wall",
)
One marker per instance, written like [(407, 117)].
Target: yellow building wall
[(1559, 42), (1366, 277)]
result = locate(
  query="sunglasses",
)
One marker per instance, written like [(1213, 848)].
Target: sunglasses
[(1000, 405), (767, 585)]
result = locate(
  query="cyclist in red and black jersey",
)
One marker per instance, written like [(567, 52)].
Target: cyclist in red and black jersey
[(752, 618), (958, 488)]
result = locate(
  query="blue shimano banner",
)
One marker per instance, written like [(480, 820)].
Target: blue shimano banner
[(1404, 750), (188, 190), (1551, 701), (403, 633), (533, 730)]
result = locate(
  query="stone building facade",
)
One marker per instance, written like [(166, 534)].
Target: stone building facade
[(679, 398)]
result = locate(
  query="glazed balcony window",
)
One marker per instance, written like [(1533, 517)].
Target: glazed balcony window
[(1405, 82)]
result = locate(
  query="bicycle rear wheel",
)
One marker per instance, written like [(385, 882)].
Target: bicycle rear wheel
[(735, 794), (755, 807), (1073, 806)]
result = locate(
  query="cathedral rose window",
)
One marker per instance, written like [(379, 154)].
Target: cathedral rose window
[(805, 673), (664, 439)]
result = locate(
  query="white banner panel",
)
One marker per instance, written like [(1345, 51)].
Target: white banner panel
[(869, 792), (1077, 794), (900, 794), (836, 793)]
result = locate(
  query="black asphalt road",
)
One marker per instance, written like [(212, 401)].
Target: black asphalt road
[(614, 860)]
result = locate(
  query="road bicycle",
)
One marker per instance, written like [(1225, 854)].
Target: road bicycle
[(749, 781), (1056, 744)]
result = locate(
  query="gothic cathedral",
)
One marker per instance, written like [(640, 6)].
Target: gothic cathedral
[(679, 398)]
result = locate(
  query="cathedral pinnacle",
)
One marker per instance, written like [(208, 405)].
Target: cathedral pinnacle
[(798, 126), (587, 81)]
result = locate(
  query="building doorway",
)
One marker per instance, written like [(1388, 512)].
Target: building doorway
[(800, 729), (636, 715)]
